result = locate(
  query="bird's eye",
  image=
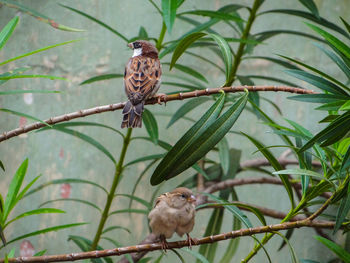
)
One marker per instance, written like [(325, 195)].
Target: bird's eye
[(183, 196), (137, 45)]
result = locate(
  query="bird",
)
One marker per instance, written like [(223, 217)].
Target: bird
[(173, 212), (142, 78)]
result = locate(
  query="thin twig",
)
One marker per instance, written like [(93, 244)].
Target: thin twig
[(178, 244), (166, 98)]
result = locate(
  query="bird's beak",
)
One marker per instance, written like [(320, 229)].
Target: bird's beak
[(130, 45), (191, 199)]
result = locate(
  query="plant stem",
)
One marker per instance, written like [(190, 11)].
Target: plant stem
[(161, 37), (117, 175), (245, 34)]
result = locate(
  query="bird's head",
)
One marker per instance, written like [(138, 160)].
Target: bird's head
[(144, 48), (181, 196)]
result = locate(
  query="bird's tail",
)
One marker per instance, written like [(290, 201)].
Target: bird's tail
[(132, 115)]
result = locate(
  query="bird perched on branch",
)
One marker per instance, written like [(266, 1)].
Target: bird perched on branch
[(173, 212), (142, 79)]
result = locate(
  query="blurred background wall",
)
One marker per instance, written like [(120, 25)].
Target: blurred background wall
[(56, 155)]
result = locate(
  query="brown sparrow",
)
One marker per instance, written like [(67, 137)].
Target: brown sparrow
[(173, 212), (141, 81)]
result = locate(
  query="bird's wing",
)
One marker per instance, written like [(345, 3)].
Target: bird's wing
[(142, 78)]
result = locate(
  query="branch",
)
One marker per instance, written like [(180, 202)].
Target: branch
[(178, 244), (166, 98)]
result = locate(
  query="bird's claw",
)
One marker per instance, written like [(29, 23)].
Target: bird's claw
[(159, 97), (164, 243), (191, 241)]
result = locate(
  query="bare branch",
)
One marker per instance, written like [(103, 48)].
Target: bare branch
[(178, 244), (166, 98)]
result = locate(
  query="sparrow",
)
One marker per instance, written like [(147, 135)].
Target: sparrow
[(173, 212), (142, 78)]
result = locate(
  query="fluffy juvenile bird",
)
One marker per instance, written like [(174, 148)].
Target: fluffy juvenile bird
[(142, 79), (173, 212)]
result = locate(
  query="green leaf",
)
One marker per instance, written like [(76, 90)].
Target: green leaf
[(197, 255), (336, 249), (278, 80), (96, 21), (316, 81), (85, 245), (142, 33), (30, 76), (24, 115), (2, 236), (26, 188), (213, 14), (346, 106), (130, 210), (7, 31), (72, 200), (45, 230), (15, 71), (137, 199), (224, 155), (101, 77), (151, 125), (11, 92), (38, 16), (177, 151), (40, 253), (346, 24), (214, 225), (189, 71), (343, 210), (317, 98), (145, 158), (2, 166), (275, 164), (310, 17), (87, 139), (310, 4), (115, 227), (262, 36), (198, 144), (336, 88), (233, 244), (185, 108), (14, 188), (169, 13), (291, 249), (254, 210), (65, 181), (37, 51), (338, 44), (36, 212), (274, 60)]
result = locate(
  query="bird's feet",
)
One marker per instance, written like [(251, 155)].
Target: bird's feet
[(159, 97), (164, 243), (191, 241)]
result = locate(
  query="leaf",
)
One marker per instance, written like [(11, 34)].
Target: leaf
[(291, 249), (142, 33), (38, 16), (275, 60), (97, 21), (36, 212), (101, 77), (115, 227), (254, 210), (2, 166), (151, 125), (198, 144), (30, 76), (343, 210), (310, 17), (189, 71), (87, 139), (85, 245), (37, 51), (169, 13), (65, 181), (213, 14), (233, 244), (138, 199), (14, 188), (213, 227), (145, 158), (310, 4), (346, 24), (24, 115), (224, 155), (179, 148), (73, 200), (7, 31), (185, 108), (338, 44), (40, 253), (197, 255), (316, 81), (45, 230), (317, 98), (262, 36), (130, 210), (275, 164), (336, 249), (11, 92), (346, 106), (336, 88), (2, 236)]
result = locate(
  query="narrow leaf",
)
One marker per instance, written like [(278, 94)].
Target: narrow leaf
[(310, 4), (72, 200), (169, 13), (343, 210), (336, 249), (6, 32), (101, 77), (151, 125)]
